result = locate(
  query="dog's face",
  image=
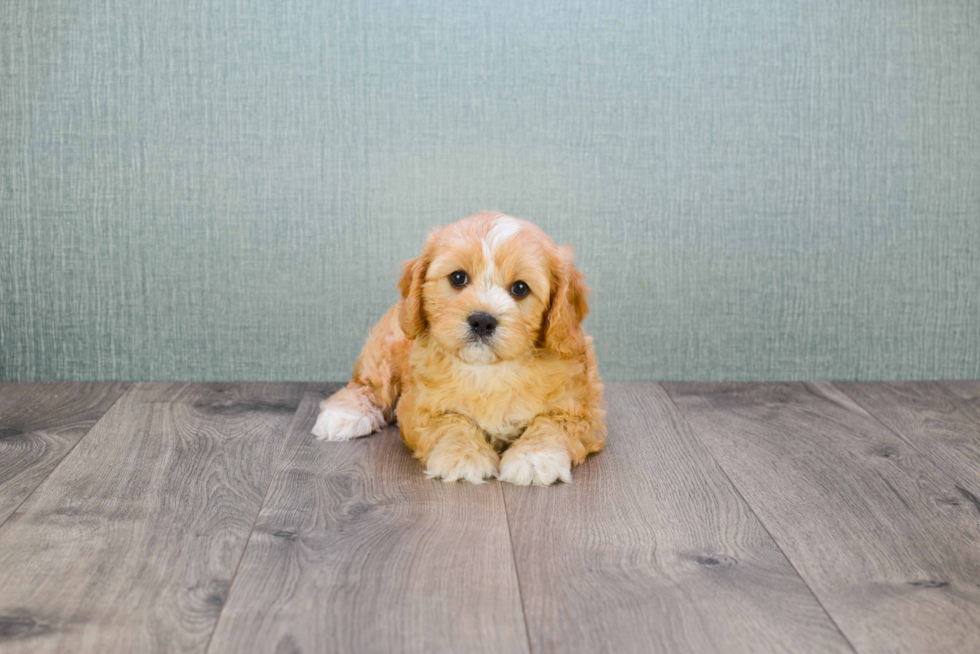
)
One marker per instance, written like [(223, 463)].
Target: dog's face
[(493, 288)]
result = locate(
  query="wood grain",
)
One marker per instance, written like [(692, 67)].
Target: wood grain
[(874, 528), (940, 425), (132, 543), (39, 424), (354, 551), (650, 549), (968, 390)]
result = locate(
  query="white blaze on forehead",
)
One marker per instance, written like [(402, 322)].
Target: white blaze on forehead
[(503, 228)]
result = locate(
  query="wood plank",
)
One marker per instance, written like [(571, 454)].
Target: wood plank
[(650, 549), (866, 520), (40, 422), (968, 390), (132, 542), (940, 425), (354, 551)]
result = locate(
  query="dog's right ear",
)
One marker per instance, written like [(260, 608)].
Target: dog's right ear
[(411, 316)]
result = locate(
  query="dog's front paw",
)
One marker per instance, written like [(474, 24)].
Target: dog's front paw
[(541, 464), (347, 415), (454, 461)]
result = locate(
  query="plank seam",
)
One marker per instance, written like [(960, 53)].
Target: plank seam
[(241, 557), (129, 389), (517, 572), (682, 416), (925, 456)]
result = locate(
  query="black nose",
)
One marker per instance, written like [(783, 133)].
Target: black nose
[(482, 324)]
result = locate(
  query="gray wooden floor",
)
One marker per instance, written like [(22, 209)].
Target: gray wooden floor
[(720, 518)]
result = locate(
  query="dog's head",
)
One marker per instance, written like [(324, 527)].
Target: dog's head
[(492, 288)]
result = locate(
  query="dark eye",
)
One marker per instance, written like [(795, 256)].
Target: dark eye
[(458, 279), (519, 289)]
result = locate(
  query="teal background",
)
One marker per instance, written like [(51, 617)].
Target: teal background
[(223, 189)]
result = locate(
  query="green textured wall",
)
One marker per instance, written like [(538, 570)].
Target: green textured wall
[(223, 189)]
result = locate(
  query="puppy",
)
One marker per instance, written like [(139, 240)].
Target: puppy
[(484, 354)]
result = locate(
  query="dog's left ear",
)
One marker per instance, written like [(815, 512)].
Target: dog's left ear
[(411, 316), (563, 321)]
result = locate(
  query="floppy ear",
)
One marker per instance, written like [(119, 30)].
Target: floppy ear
[(411, 316), (563, 321)]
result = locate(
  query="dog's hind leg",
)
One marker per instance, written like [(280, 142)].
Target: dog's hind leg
[(368, 401)]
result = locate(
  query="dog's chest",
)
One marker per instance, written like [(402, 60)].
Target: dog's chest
[(502, 399)]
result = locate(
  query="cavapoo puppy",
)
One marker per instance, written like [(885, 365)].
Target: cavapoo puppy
[(484, 354)]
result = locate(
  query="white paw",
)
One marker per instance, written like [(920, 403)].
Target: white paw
[(540, 465), (449, 461), (343, 417)]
